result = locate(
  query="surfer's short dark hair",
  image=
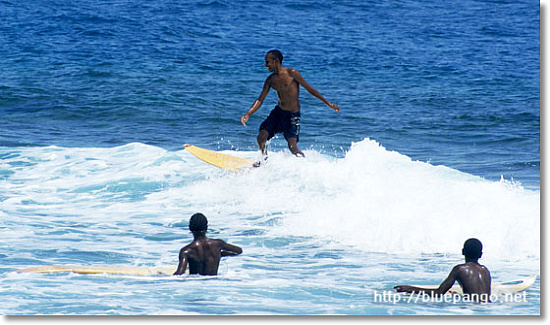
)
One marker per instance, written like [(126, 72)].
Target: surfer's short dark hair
[(198, 223), (277, 54), (472, 248)]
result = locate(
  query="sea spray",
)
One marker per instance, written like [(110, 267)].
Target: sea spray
[(381, 201), (374, 199)]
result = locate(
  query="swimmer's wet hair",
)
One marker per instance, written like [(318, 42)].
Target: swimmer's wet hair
[(472, 248), (277, 54), (198, 223)]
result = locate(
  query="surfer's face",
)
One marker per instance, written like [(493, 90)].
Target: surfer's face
[(270, 62)]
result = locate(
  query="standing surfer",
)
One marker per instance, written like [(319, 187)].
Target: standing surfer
[(285, 117)]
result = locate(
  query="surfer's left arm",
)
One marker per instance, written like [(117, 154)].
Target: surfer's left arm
[(230, 250), (298, 77), (182, 266)]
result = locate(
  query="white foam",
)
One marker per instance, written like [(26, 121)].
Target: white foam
[(374, 199), (382, 201)]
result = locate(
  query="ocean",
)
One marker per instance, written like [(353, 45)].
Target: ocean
[(437, 141)]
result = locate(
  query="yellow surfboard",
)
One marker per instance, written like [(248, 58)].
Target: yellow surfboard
[(91, 269), (218, 159)]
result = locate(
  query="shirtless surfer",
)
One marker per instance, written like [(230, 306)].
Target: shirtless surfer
[(203, 255), (473, 277), (285, 117)]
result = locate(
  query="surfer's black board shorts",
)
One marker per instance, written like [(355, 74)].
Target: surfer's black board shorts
[(279, 121)]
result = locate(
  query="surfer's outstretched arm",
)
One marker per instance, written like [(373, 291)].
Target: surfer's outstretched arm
[(298, 77), (442, 289), (257, 103), (230, 250)]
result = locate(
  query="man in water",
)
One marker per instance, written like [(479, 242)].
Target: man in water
[(473, 277), (285, 117), (203, 254)]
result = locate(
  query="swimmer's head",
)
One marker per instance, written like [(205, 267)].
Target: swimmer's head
[(472, 248), (198, 223), (277, 55)]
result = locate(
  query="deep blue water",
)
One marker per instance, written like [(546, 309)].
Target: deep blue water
[(454, 84)]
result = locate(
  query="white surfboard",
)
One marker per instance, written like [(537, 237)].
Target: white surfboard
[(91, 269), (497, 288)]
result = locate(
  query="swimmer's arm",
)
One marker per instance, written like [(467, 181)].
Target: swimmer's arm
[(230, 250), (257, 103), (182, 266), (442, 289), (298, 77)]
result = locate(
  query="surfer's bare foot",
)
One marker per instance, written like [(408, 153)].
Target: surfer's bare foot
[(260, 162)]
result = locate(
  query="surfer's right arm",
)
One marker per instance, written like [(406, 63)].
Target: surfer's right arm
[(442, 289), (257, 103)]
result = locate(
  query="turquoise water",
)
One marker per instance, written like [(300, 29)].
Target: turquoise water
[(315, 240), (438, 141)]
